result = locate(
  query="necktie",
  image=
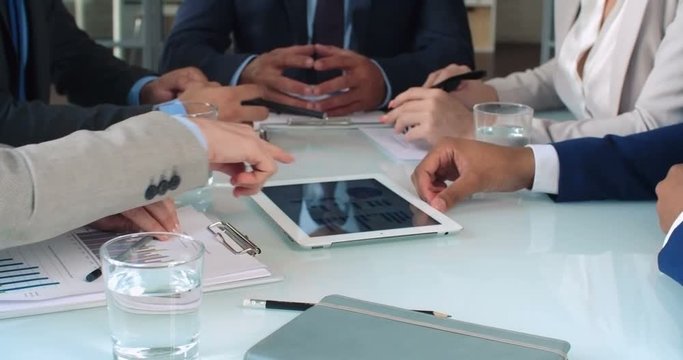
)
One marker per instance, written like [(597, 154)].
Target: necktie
[(19, 29), (328, 26), (328, 29)]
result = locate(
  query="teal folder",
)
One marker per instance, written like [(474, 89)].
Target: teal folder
[(344, 328)]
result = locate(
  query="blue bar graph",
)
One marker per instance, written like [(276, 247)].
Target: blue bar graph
[(15, 275)]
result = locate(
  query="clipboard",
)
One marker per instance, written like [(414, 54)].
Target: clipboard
[(59, 265)]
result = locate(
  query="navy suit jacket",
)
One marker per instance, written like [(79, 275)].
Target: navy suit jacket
[(408, 38), (625, 168), (62, 55)]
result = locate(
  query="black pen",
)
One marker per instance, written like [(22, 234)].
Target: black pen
[(453, 82), (285, 109), (299, 306), (95, 274)]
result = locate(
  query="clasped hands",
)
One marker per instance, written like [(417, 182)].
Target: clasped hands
[(360, 87)]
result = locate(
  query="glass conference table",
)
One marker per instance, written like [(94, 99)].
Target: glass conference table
[(583, 272)]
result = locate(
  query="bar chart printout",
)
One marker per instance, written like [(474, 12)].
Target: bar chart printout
[(16, 275), (53, 268)]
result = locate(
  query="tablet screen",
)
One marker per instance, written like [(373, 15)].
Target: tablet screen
[(343, 207)]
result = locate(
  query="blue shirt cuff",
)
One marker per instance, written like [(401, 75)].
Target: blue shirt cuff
[(386, 83), (194, 129), (134, 93), (238, 73), (173, 108)]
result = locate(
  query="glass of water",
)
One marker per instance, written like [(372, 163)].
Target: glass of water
[(154, 290), (504, 124), (190, 110)]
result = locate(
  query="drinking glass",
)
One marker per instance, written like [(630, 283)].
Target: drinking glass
[(190, 110), (153, 285), (504, 124)]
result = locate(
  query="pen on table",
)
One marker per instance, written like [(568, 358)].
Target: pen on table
[(300, 306), (285, 109), (95, 274), (453, 82)]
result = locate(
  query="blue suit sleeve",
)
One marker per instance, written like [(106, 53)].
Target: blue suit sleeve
[(614, 167), (200, 38), (670, 259)]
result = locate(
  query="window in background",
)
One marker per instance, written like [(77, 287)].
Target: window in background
[(134, 29)]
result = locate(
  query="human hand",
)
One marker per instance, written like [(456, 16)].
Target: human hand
[(670, 197), (361, 81), (170, 85), (160, 216), (236, 150), (470, 92), (228, 100), (266, 70), (429, 114), (473, 167)]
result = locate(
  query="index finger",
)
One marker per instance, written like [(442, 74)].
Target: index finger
[(448, 72), (424, 176), (456, 192), (277, 153), (329, 50), (307, 49), (341, 61), (195, 74), (416, 93)]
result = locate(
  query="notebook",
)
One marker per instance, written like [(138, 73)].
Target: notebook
[(345, 328), (50, 276)]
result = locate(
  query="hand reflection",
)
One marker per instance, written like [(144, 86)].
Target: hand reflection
[(420, 218)]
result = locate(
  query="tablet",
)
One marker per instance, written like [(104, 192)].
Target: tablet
[(320, 212)]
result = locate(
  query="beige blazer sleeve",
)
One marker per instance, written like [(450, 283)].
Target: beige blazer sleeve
[(52, 187)]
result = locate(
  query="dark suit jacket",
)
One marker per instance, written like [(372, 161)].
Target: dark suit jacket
[(626, 168), (671, 257), (408, 38), (614, 167), (63, 55)]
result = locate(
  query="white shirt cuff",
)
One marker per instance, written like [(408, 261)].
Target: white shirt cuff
[(547, 176), (677, 223)]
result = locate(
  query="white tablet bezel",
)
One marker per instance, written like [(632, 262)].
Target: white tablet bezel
[(446, 226)]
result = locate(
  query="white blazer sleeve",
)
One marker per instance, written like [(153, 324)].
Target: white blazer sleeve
[(659, 104), (532, 87), (53, 187)]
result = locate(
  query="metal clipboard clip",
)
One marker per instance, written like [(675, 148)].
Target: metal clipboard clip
[(233, 239)]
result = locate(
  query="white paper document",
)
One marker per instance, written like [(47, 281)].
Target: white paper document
[(395, 144), (50, 276)]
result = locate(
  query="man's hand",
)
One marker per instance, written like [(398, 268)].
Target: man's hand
[(470, 92), (228, 100), (236, 150), (170, 85), (473, 167), (361, 86), (670, 197), (266, 70), (157, 217), (429, 114)]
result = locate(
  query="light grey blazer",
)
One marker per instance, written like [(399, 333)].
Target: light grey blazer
[(646, 77), (53, 187)]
